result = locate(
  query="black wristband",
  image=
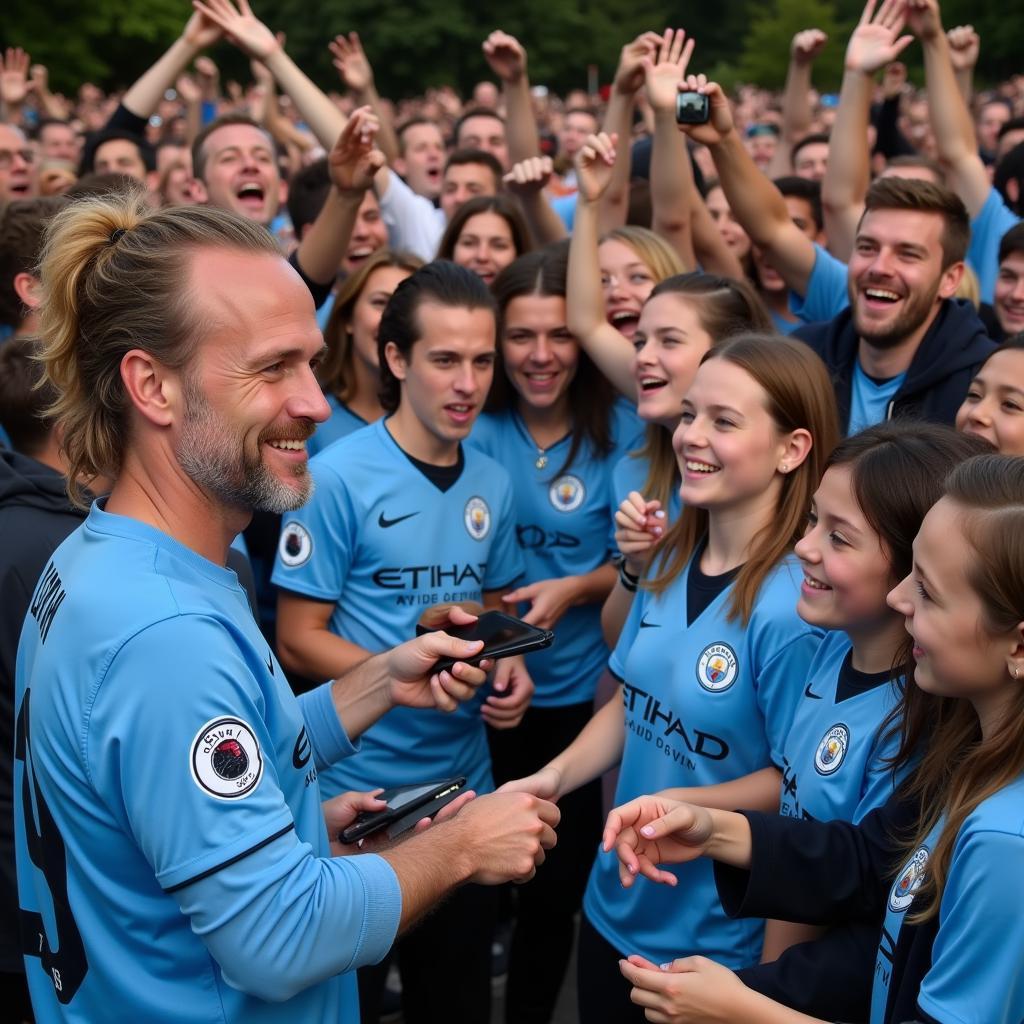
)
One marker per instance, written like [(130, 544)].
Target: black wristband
[(627, 579)]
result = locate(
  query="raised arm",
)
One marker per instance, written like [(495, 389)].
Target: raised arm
[(352, 163), (756, 203), (507, 58), (875, 42), (250, 35), (618, 122), (145, 95), (356, 72), (527, 180), (964, 50), (671, 174), (14, 83), (612, 353), (951, 121), (796, 97)]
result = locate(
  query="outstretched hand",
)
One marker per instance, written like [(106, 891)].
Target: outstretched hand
[(14, 81), (505, 55), (876, 41), (662, 78), (241, 27), (694, 990), (355, 159), (351, 62), (653, 830), (594, 163), (629, 76)]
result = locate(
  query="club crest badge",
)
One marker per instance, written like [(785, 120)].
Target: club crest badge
[(477, 517), (226, 761), (567, 493), (910, 880), (832, 750), (717, 667), (295, 546)]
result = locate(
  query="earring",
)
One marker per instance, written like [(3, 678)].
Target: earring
[(784, 468), (1016, 672)]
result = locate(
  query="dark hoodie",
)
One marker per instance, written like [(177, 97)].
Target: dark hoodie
[(948, 357), (35, 517)]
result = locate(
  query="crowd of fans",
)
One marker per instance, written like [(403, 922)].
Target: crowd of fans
[(555, 342)]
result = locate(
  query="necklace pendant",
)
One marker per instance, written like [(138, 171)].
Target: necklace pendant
[(542, 461)]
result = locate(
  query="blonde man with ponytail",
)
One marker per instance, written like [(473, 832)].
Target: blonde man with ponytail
[(174, 857)]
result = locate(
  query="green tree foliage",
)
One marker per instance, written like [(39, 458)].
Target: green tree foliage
[(764, 56)]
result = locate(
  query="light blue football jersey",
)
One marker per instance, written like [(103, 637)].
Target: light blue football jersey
[(977, 968), (704, 703), (562, 524), (342, 422), (835, 756), (159, 745), (383, 543)]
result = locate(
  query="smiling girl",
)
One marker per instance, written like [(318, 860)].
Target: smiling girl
[(554, 424), (485, 235), (994, 406), (940, 864), (708, 655)]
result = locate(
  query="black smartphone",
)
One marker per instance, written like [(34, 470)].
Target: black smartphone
[(503, 636), (405, 806), (692, 108)]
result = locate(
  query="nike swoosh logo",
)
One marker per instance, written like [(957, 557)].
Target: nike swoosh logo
[(813, 696), (383, 522), (644, 624), (270, 664)]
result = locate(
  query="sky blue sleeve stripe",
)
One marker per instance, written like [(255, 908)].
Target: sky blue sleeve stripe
[(326, 733)]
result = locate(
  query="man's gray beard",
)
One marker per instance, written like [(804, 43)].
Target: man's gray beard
[(205, 454)]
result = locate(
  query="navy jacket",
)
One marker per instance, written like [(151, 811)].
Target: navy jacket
[(947, 359)]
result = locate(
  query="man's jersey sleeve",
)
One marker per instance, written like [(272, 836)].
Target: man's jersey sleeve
[(188, 761), (318, 541), (827, 294)]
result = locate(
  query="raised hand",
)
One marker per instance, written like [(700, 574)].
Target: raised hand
[(653, 830), (894, 79), (549, 599), (876, 41), (923, 19), (506, 56), (240, 26), (720, 122), (355, 159), (351, 62), (594, 163), (964, 47), (188, 90), (14, 82), (629, 76), (807, 45), (529, 176), (662, 78), (200, 32), (639, 525)]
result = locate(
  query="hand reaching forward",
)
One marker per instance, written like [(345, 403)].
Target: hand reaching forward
[(355, 159), (506, 56), (351, 62), (662, 78), (653, 830), (639, 525), (876, 41), (241, 27), (594, 163)]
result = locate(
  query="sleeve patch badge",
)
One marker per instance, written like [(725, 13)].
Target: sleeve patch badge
[(226, 761), (296, 545)]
